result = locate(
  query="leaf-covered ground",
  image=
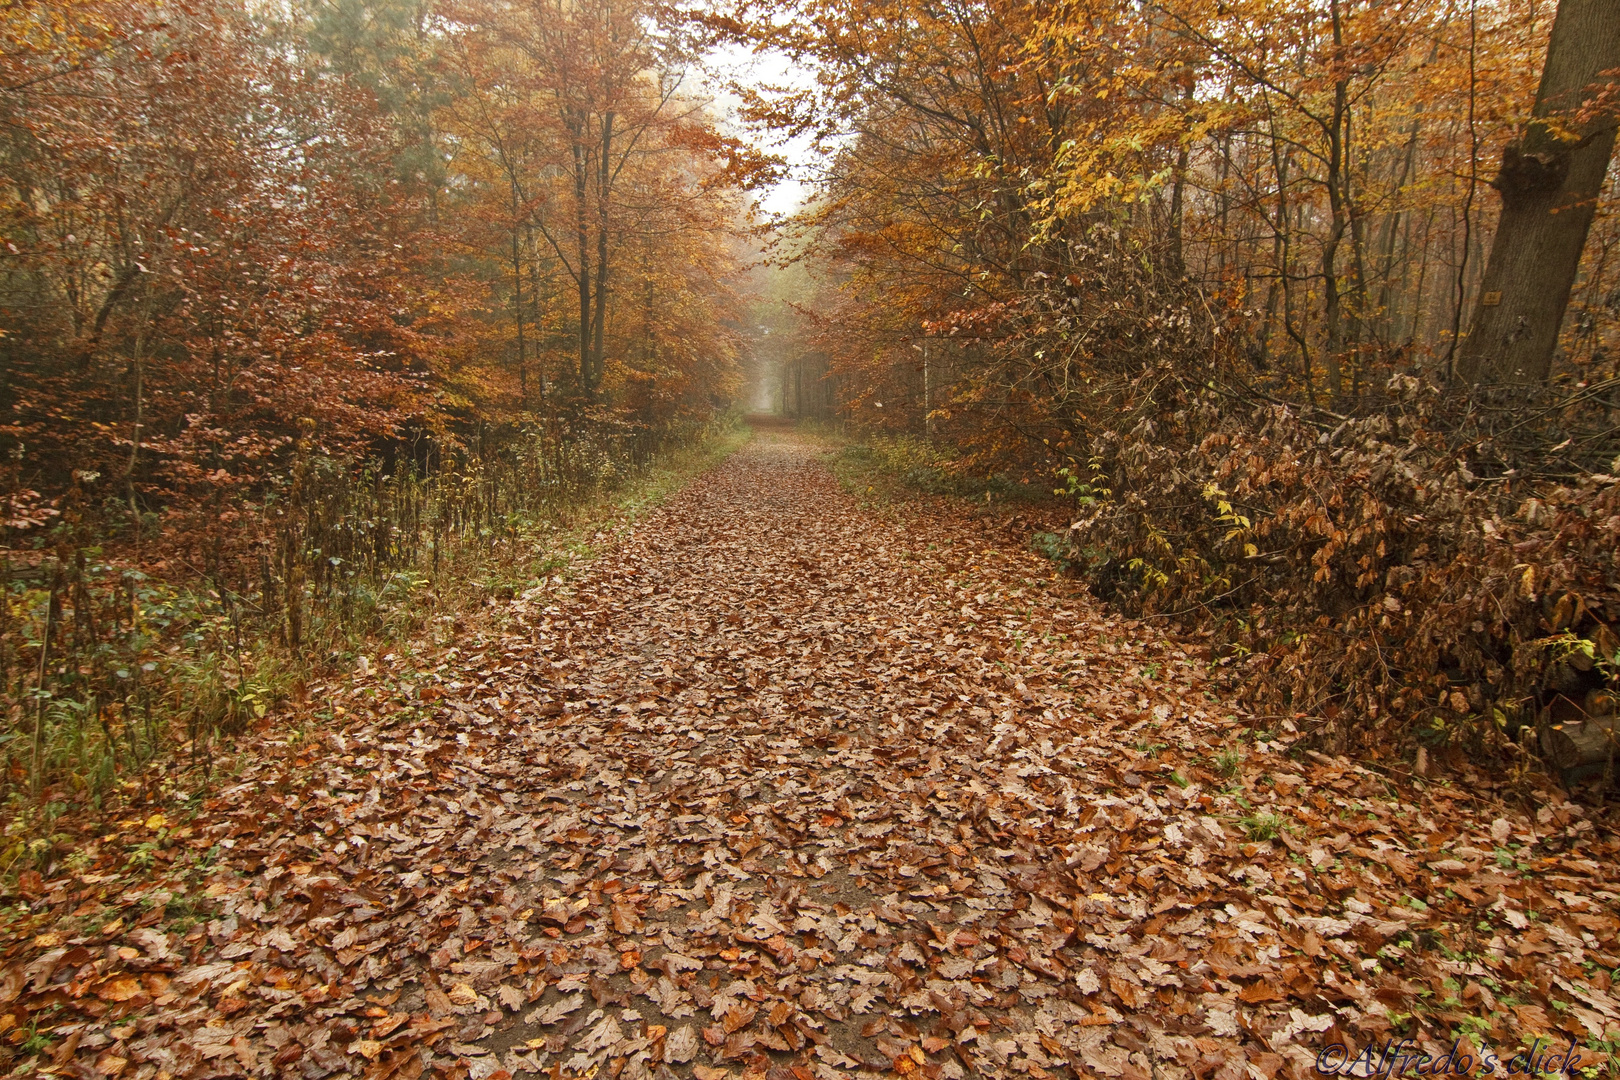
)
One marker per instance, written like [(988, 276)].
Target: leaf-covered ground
[(785, 788)]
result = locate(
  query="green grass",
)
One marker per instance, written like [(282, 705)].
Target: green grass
[(1263, 826), (883, 469)]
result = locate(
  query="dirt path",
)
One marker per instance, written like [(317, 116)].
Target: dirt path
[(785, 788)]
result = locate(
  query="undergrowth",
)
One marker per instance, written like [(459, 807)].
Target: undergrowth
[(886, 468), (1384, 585), (119, 687)]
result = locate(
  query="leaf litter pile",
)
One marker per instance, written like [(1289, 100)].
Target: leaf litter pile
[(782, 788)]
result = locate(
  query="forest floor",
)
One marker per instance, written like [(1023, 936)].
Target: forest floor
[(788, 786)]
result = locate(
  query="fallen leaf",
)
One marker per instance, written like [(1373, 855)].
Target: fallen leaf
[(120, 988), (681, 1046)]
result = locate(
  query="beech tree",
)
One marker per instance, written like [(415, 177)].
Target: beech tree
[(606, 193), (1550, 182), (227, 227), (1294, 183), (607, 89)]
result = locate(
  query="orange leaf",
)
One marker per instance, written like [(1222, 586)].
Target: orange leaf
[(1258, 992), (121, 988)]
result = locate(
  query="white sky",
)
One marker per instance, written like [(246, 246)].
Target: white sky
[(738, 64)]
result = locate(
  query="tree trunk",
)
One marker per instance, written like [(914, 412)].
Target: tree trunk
[(582, 279), (517, 311), (1177, 260), (1549, 182), (599, 318), (1177, 257), (1332, 322)]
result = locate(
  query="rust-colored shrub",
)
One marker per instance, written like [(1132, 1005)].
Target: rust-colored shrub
[(1381, 577)]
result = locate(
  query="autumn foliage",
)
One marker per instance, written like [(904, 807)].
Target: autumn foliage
[(1208, 270), (267, 269)]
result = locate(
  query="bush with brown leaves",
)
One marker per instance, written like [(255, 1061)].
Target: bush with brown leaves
[(1375, 577)]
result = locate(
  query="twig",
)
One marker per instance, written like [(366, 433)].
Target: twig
[(1203, 603), (39, 689)]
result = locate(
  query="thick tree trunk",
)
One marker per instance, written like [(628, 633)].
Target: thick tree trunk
[(1549, 182), (1581, 739)]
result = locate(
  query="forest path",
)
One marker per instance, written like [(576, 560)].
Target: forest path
[(813, 759), (783, 787)]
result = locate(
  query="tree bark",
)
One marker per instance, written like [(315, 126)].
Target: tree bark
[(582, 279), (1332, 322), (517, 309), (604, 186), (1549, 182)]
